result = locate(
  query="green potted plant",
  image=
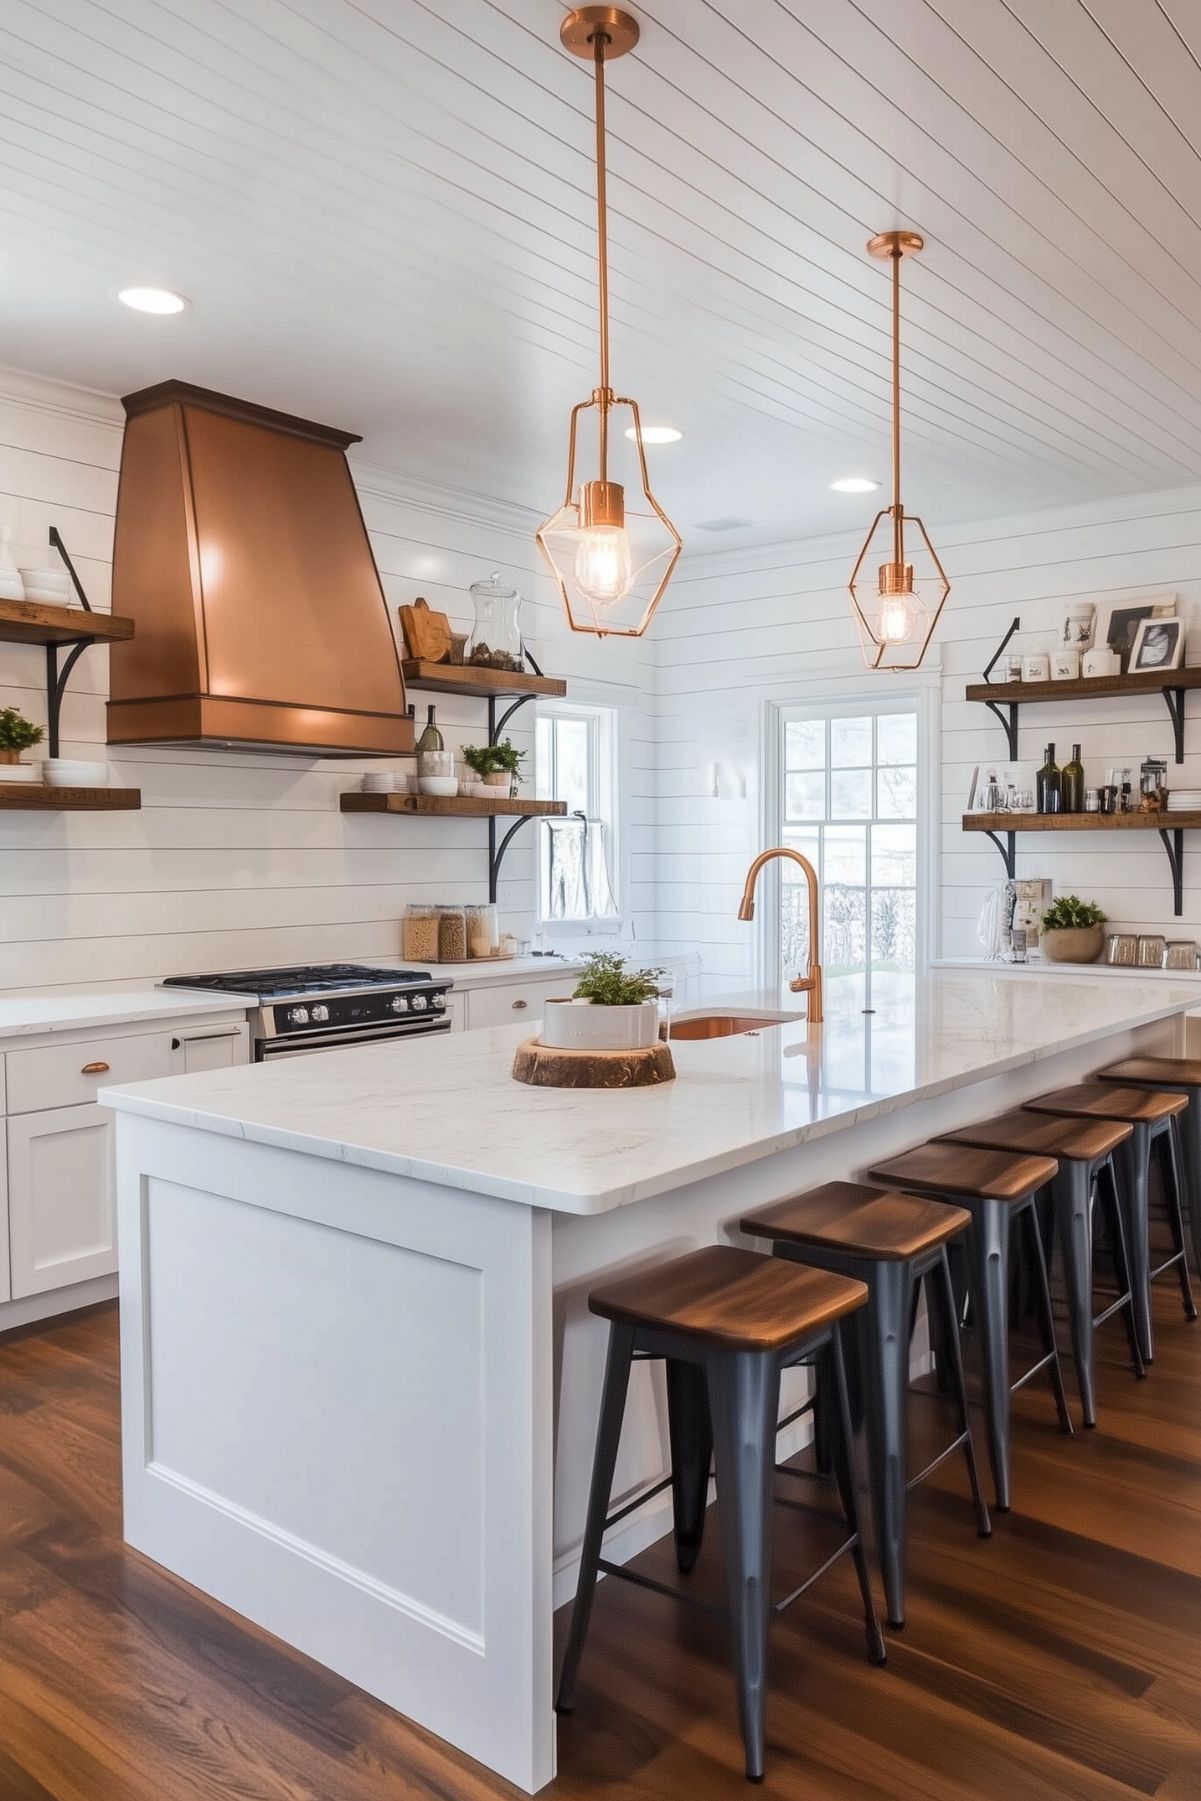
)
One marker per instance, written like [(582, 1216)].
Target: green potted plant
[(1073, 930), (497, 766), (613, 1008), (16, 734)]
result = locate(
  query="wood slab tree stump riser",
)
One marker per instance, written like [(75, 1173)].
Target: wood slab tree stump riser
[(541, 1067)]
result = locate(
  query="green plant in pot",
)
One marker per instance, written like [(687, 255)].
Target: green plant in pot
[(16, 734), (497, 765), (613, 1008), (1073, 930)]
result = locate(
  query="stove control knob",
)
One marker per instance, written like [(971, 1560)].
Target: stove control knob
[(299, 1016), (419, 1003), (438, 1002), (399, 1004), (320, 1013)]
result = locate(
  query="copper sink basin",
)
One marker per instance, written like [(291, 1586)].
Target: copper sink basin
[(723, 1025)]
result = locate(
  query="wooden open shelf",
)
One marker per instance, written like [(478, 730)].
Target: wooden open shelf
[(459, 806), (41, 796), (1081, 822), (39, 622), (1085, 686), (468, 678)]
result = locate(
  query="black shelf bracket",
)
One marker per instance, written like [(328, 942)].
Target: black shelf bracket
[(1008, 717), (497, 846), (1172, 839), (1174, 701), (1008, 851), (58, 675)]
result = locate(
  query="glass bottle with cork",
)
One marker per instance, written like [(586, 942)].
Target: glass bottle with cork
[(1072, 783)]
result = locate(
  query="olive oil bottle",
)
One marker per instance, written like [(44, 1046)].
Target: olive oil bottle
[(1072, 783)]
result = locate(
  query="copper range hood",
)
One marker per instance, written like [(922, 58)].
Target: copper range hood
[(242, 556)]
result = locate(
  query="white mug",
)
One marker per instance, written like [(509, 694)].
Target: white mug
[(1065, 665), (1101, 661), (1036, 666)]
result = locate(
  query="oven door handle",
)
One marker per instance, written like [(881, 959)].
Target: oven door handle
[(331, 1041)]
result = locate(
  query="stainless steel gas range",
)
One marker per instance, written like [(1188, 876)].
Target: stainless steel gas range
[(325, 1006)]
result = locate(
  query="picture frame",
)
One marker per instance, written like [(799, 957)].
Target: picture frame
[(1117, 624), (1158, 644)]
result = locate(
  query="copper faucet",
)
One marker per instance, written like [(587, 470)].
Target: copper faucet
[(811, 982)]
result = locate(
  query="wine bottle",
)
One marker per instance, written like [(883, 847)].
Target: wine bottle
[(431, 737), (1050, 785), (1073, 783)]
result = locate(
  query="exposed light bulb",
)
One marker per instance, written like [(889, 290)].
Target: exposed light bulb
[(896, 620), (603, 570)]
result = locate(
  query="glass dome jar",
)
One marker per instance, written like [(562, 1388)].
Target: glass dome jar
[(495, 642)]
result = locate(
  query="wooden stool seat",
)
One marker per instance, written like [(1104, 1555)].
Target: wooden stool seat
[(1048, 1135), (848, 1216), (1107, 1100), (959, 1169), (1185, 1071), (731, 1298)]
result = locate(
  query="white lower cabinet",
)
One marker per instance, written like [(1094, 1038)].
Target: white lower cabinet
[(57, 1177), (514, 1003), (62, 1224)]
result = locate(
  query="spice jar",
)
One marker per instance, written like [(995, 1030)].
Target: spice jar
[(452, 935), (420, 935), (483, 930)]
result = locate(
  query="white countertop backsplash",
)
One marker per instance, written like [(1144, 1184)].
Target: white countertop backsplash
[(452, 1114)]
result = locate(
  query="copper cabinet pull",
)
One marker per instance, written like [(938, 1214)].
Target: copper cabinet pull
[(94, 1069), (518, 1005)]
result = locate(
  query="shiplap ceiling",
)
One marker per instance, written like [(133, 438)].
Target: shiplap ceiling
[(382, 210)]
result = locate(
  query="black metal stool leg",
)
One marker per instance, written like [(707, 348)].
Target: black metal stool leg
[(1173, 1193), (1072, 1199), (608, 1437), (1190, 1135), (691, 1450), (940, 1294), (988, 1275), (744, 1396), (1046, 1318), (1134, 1160), (844, 1467), (1107, 1187), (890, 1286)]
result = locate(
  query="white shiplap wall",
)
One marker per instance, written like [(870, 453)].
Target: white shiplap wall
[(738, 630), (238, 858)]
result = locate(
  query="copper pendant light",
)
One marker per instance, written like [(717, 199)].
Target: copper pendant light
[(611, 560), (896, 613)]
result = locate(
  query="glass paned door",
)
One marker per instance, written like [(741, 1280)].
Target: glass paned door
[(849, 793)]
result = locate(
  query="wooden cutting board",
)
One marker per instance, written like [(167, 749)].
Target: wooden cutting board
[(427, 634)]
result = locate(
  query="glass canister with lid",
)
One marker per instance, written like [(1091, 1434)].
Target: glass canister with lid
[(495, 641), (483, 930), (420, 935), (452, 934)]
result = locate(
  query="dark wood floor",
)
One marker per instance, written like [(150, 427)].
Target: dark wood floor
[(1061, 1659)]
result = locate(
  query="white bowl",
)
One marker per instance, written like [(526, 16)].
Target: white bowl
[(68, 772), (55, 597), (444, 785)]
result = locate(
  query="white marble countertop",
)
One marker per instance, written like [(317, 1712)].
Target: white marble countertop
[(28, 1015), (449, 1112), (482, 973)]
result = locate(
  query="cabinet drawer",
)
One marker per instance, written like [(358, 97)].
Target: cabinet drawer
[(512, 1003), (67, 1075)]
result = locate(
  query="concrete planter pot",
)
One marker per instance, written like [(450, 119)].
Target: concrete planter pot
[(1072, 944), (571, 1025)]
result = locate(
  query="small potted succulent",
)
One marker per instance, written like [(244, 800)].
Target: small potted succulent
[(613, 1008), (1073, 931), (16, 734), (497, 766)]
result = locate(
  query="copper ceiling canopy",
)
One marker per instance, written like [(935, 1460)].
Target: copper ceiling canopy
[(242, 557)]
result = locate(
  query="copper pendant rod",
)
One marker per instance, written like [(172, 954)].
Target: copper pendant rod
[(599, 44), (898, 536)]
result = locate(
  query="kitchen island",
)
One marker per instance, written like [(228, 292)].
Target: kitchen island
[(359, 1377)]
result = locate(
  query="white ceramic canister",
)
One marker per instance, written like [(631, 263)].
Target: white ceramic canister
[(1036, 666), (1065, 665), (1101, 661)]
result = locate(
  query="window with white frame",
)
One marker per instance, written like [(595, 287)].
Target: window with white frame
[(576, 758), (851, 783)]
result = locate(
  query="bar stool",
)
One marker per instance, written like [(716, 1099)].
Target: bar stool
[(1150, 1114), (1084, 1150), (998, 1189), (733, 1320), (892, 1242), (1175, 1075)]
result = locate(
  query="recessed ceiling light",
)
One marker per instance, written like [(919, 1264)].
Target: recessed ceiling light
[(655, 434), (854, 484), (153, 300)]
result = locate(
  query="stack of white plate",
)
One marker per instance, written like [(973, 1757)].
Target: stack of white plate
[(53, 585), (11, 585), (1184, 800), (379, 781), (71, 772)]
